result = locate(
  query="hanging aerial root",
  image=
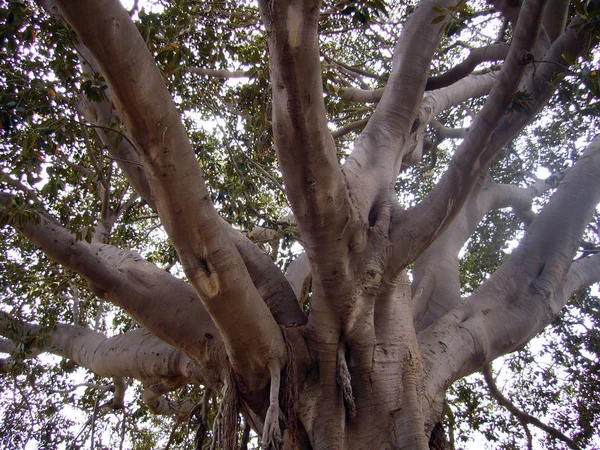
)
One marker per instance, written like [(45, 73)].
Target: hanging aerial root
[(200, 414), (229, 413), (344, 380), (224, 429), (271, 437), (160, 404), (290, 392)]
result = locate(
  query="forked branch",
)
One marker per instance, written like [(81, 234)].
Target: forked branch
[(521, 415), (529, 289), (208, 257), (305, 148), (430, 217)]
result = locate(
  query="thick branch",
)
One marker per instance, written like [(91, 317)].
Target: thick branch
[(362, 95), (526, 293), (209, 259), (163, 304), (584, 272), (448, 133), (357, 125), (136, 354), (555, 18), (494, 52), (435, 102), (272, 285), (375, 161), (436, 286), (297, 274), (413, 230), (313, 178)]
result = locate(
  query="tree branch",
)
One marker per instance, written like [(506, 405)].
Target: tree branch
[(161, 404), (528, 290), (584, 272), (163, 304), (495, 52), (350, 127), (413, 230), (209, 259), (435, 102), (361, 95), (307, 156), (266, 276), (136, 354), (555, 18), (356, 70), (376, 159), (436, 285), (540, 85), (298, 273), (521, 415)]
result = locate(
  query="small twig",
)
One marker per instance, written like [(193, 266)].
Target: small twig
[(359, 124), (263, 173), (79, 168), (30, 193), (95, 164), (172, 436), (102, 127)]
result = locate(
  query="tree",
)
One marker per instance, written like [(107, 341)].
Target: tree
[(150, 206)]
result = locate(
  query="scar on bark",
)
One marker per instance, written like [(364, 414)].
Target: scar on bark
[(208, 279), (344, 381)]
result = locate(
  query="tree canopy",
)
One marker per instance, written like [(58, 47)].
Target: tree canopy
[(299, 224)]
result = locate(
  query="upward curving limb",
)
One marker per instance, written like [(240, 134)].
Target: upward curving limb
[(307, 156), (494, 52), (376, 158), (527, 292), (122, 277), (436, 287), (522, 416), (413, 230), (136, 354), (208, 256)]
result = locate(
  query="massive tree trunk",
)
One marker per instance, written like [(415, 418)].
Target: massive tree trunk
[(369, 366)]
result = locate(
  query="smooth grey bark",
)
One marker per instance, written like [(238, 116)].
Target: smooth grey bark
[(436, 284), (430, 217), (526, 292), (213, 265)]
